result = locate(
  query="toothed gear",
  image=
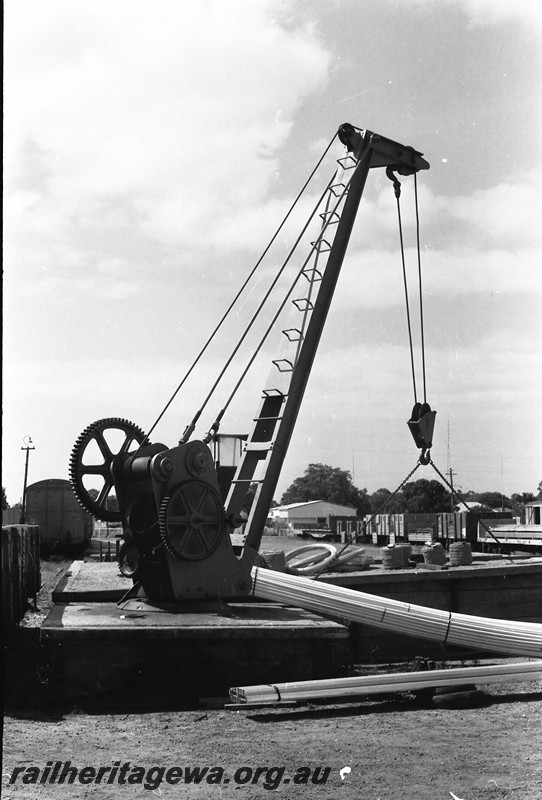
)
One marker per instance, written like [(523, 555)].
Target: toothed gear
[(192, 521), (94, 435)]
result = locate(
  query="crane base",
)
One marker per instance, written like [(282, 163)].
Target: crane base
[(97, 653)]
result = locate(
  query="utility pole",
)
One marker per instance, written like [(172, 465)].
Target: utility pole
[(451, 474), (27, 442)]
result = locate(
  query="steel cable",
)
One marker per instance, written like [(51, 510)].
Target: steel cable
[(409, 325), (422, 334), (242, 289), (314, 248)]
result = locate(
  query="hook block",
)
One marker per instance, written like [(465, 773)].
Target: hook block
[(422, 425)]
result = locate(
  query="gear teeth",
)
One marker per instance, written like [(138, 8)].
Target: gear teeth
[(76, 467), (166, 541)]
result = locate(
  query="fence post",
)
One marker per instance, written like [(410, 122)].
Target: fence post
[(20, 571), (6, 583)]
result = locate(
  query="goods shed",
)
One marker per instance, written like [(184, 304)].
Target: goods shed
[(311, 515)]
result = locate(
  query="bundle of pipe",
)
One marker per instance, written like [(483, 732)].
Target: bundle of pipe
[(351, 558), (325, 557), (475, 633), (383, 684)]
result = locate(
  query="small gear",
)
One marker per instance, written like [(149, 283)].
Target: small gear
[(192, 521), (95, 436)]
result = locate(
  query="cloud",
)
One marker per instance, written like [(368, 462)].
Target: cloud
[(492, 12), (129, 104), (497, 11), (486, 242)]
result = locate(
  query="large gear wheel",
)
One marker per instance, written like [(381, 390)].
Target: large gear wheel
[(95, 445), (192, 521)]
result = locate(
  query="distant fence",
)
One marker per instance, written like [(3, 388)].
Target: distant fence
[(21, 577)]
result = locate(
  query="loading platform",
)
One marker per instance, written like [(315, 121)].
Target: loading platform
[(101, 651), (136, 654)]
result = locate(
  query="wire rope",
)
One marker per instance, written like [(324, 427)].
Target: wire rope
[(418, 249), (397, 187), (192, 425), (314, 247), (241, 290), (379, 510), (462, 500)]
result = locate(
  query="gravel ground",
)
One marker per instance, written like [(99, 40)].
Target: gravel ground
[(398, 747)]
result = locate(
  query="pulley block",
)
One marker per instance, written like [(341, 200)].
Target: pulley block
[(421, 425)]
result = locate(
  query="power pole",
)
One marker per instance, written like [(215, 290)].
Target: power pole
[(27, 441), (451, 473)]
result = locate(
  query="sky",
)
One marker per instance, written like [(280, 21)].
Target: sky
[(151, 151)]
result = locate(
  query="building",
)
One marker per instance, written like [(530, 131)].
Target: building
[(533, 512), (312, 515)]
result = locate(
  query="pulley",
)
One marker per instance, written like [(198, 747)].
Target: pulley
[(421, 425)]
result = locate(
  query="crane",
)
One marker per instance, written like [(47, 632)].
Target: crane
[(177, 515)]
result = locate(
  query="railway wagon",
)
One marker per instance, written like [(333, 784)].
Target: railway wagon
[(65, 527)]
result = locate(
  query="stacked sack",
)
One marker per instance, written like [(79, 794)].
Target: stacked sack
[(460, 554), (395, 556), (434, 553)]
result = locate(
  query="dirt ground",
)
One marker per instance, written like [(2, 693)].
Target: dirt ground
[(396, 749), (392, 748)]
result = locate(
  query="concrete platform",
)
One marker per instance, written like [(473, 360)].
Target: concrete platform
[(91, 582), (188, 620), (140, 655), (99, 653)]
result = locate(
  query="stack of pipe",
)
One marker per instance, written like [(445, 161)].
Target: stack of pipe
[(312, 559), (476, 633), (351, 558), (383, 684)]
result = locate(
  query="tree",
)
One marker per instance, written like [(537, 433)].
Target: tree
[(493, 500), (111, 503), (5, 503), (426, 497), (322, 482), (381, 503), (518, 503)]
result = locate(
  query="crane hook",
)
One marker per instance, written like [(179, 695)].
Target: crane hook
[(422, 425), (425, 457)]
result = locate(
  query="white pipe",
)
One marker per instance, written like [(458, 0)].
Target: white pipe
[(480, 633), (382, 684)]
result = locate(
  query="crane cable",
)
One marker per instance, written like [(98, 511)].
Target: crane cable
[(314, 249), (418, 251), (422, 420), (242, 289), (397, 190), (190, 428)]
